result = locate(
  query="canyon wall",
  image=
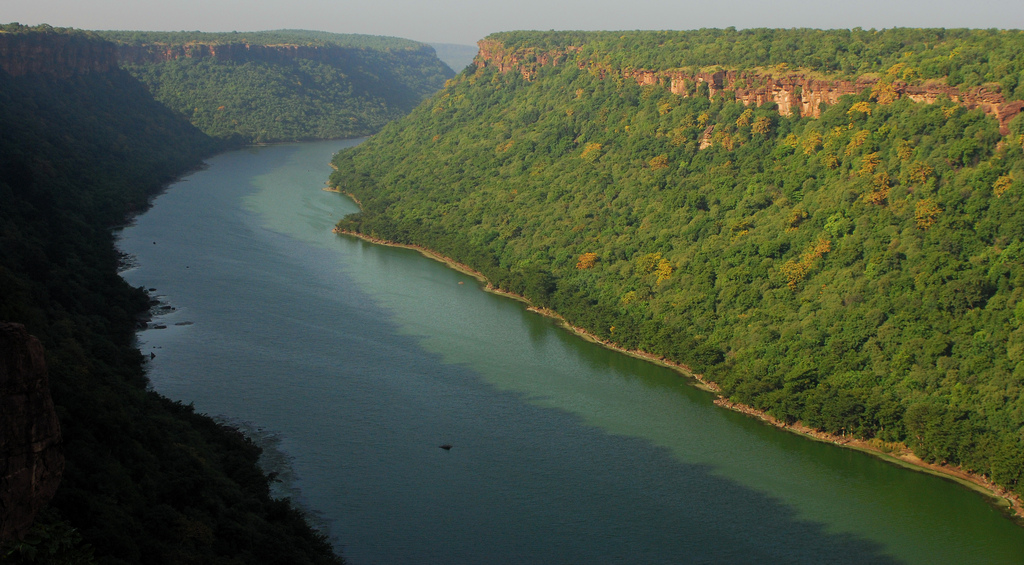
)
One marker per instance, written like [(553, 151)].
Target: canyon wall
[(793, 92), (31, 460)]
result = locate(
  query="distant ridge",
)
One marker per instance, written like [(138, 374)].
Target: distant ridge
[(456, 56), (282, 85), (268, 37)]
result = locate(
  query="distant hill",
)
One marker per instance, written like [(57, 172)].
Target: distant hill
[(265, 38), (825, 224), (282, 85), (457, 57)]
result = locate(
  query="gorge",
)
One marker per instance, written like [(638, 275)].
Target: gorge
[(825, 225)]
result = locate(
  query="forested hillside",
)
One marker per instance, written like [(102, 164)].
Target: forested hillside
[(146, 480), (282, 85), (861, 271)]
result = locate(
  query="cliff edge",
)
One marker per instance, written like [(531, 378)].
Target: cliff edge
[(792, 92)]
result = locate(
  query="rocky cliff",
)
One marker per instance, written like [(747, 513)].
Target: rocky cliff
[(792, 92), (31, 461), (58, 54)]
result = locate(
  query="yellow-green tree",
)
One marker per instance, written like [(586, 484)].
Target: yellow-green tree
[(587, 261), (1001, 185), (926, 212), (664, 270), (761, 126), (745, 117)]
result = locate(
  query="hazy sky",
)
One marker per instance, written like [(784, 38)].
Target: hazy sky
[(464, 21)]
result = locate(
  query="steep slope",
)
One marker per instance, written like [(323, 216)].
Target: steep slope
[(282, 85), (146, 480), (858, 270)]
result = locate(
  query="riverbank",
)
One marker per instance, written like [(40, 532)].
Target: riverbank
[(896, 453)]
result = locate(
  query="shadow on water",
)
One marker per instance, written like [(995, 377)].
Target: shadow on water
[(529, 484), (277, 463)]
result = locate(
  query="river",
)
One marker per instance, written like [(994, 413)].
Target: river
[(352, 363)]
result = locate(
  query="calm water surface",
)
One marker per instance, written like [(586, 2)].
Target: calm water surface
[(355, 362)]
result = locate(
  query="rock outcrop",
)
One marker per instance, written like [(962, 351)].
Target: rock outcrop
[(791, 92), (31, 459)]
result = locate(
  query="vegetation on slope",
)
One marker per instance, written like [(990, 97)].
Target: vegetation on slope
[(340, 86), (146, 480), (862, 272)]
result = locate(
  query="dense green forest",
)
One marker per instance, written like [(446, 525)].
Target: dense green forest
[(862, 273), (147, 480), (336, 86)]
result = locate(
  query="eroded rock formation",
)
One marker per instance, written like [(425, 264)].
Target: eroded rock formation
[(31, 460)]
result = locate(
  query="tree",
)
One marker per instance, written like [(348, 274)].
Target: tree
[(587, 261)]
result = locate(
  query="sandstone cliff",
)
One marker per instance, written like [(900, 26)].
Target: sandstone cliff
[(792, 92), (31, 460)]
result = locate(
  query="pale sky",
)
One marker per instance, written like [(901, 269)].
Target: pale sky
[(465, 21)]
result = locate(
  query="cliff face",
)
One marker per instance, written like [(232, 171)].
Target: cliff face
[(31, 460), (56, 54), (793, 92)]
